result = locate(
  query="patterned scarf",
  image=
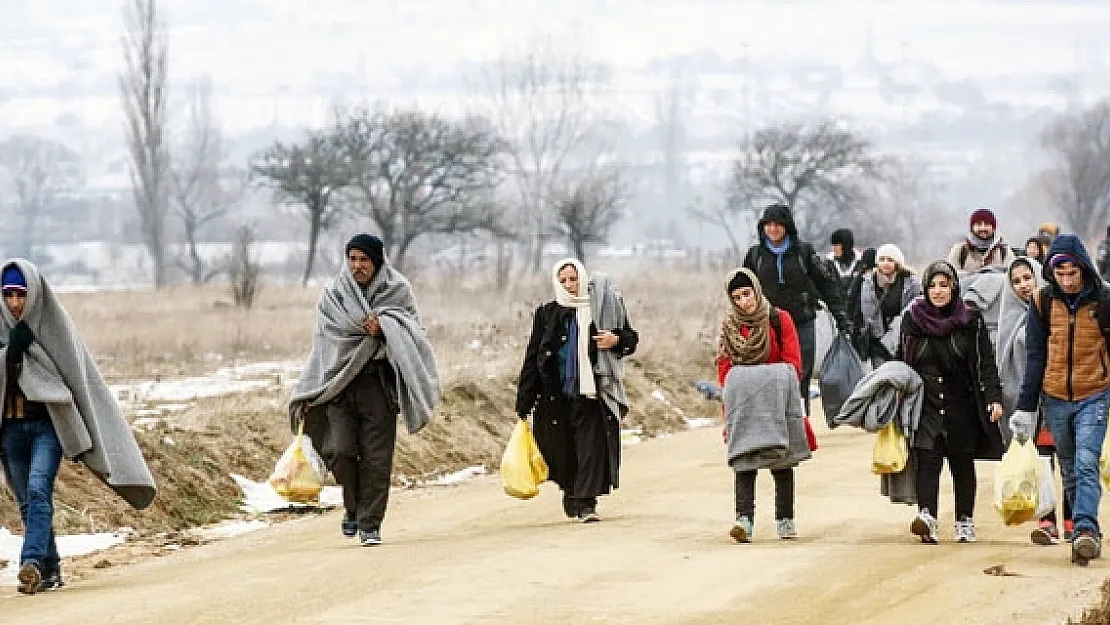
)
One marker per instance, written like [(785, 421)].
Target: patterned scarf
[(754, 349)]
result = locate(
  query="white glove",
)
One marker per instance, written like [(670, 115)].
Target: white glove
[(1021, 425)]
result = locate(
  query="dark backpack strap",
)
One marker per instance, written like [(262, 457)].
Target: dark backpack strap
[(1042, 301), (775, 318), (1103, 313), (964, 251)]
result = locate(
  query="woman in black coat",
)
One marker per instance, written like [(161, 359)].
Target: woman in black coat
[(947, 343), (572, 383)]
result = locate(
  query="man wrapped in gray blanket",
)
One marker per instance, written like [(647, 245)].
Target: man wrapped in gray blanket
[(370, 360)]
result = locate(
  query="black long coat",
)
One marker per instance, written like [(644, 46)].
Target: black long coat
[(540, 392), (960, 378)]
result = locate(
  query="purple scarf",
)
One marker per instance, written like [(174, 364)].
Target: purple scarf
[(937, 322)]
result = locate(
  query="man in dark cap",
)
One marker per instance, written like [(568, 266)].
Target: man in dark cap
[(844, 256), (797, 280), (370, 360), (983, 247)]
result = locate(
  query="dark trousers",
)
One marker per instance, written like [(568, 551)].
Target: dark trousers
[(1049, 451), (961, 466), (784, 494), (363, 425), (591, 450), (807, 340)]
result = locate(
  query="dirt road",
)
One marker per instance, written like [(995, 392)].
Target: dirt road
[(470, 554)]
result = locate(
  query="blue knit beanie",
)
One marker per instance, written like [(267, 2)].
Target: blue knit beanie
[(12, 278)]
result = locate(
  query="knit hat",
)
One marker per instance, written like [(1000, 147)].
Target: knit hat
[(371, 245), (843, 237), (1051, 230), (13, 279), (739, 281), (891, 250), (983, 215)]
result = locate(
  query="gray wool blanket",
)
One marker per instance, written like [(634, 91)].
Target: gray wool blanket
[(341, 346), (892, 392), (983, 289), (763, 418), (1010, 352), (607, 307), (59, 371)]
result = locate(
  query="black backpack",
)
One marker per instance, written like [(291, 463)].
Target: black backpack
[(1102, 310), (775, 319)]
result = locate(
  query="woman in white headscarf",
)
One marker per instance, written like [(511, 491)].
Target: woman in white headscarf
[(572, 383), (1024, 277)]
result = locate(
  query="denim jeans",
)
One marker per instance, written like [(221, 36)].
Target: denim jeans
[(31, 454), (1078, 429)]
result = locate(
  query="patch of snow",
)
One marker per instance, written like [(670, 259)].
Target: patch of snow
[(225, 381), (474, 345), (631, 437), (68, 546), (260, 497), (701, 422), (658, 395), (459, 476), (229, 529)]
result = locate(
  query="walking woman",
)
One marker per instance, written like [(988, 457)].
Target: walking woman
[(1025, 279), (760, 401), (947, 343), (572, 382), (884, 296)]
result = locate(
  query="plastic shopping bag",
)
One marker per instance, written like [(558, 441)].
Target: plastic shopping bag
[(523, 468), (1104, 461), (1017, 483), (298, 475), (1046, 495), (891, 451)]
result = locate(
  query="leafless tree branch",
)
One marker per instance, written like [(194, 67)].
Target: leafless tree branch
[(37, 171)]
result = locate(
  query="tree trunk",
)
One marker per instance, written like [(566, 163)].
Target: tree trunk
[(197, 269), (28, 246), (504, 266), (579, 250), (313, 236)]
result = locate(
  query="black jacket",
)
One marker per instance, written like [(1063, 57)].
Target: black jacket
[(807, 279)]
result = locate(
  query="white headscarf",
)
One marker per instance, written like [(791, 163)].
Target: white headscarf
[(581, 305)]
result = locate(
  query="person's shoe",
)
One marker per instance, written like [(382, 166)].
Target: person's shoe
[(570, 506), (30, 578), (349, 525), (965, 530), (1045, 533), (924, 526), (368, 538), (1085, 547), (52, 580), (742, 531), (588, 515), (786, 529), (1069, 530)]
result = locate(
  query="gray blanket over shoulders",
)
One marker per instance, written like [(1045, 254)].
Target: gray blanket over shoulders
[(341, 347), (59, 371), (892, 392), (763, 418), (607, 307), (983, 289)]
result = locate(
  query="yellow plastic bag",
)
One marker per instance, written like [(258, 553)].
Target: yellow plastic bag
[(298, 476), (1104, 461), (1017, 482), (523, 468), (891, 452)]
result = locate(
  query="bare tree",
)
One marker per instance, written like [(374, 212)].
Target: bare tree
[(243, 268), (307, 175), (142, 85), (1080, 179), (586, 211), (671, 111), (544, 106), (823, 172), (201, 189), (37, 170), (417, 174), (721, 216)]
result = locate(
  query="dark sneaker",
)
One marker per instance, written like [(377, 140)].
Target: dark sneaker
[(924, 526), (1085, 547), (1045, 534), (349, 525), (52, 580), (370, 537), (30, 578), (570, 507), (588, 515)]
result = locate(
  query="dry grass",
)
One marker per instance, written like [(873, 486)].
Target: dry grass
[(479, 338)]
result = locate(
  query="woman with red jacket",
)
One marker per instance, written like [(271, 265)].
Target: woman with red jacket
[(756, 333)]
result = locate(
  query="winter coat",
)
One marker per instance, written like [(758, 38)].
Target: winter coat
[(1069, 360), (790, 353), (539, 391), (1000, 254), (807, 278), (879, 313), (960, 379)]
